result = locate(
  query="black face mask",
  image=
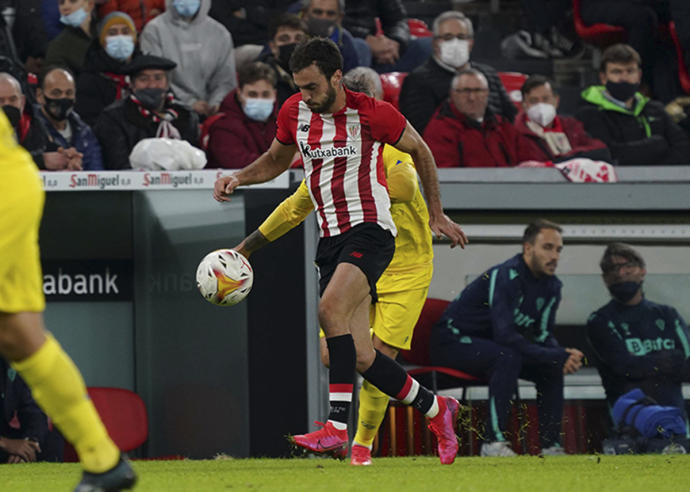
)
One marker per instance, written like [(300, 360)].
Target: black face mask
[(624, 291), (320, 27), (13, 114), (150, 98), (284, 54), (58, 109), (622, 90)]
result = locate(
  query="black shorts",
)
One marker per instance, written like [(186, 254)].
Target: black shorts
[(367, 246)]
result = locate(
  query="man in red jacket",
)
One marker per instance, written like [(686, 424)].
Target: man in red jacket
[(248, 122), (464, 132), (551, 137)]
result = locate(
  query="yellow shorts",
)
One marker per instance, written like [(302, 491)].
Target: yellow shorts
[(21, 207), (394, 317)]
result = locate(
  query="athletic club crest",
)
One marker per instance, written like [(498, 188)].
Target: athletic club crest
[(353, 131)]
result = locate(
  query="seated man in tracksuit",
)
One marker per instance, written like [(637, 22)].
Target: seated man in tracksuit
[(637, 343), (500, 328)]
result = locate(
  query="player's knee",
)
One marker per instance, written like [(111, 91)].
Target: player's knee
[(365, 358), (331, 318), (508, 360)]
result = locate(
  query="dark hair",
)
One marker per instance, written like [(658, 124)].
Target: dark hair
[(51, 68), (292, 21), (623, 250), (255, 71), (534, 81), (535, 227), (322, 52), (619, 53)]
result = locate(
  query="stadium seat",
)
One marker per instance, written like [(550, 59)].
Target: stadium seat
[(683, 74), (392, 84), (204, 133), (598, 34), (419, 29), (512, 81)]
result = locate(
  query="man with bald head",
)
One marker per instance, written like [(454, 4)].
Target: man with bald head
[(465, 132), (66, 130)]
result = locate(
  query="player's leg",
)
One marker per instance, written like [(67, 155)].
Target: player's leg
[(549, 385)]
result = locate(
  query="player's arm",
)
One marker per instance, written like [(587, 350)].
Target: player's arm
[(290, 213), (412, 143), (270, 164)]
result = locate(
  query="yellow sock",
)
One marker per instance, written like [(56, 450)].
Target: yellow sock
[(58, 388), (372, 409)]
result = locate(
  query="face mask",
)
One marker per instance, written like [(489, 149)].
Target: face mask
[(455, 52), (119, 47), (622, 91), (258, 109), (58, 109), (187, 8), (284, 54), (75, 19), (542, 113), (150, 98), (320, 27), (624, 291), (13, 114)]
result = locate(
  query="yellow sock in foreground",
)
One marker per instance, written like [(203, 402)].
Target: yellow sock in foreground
[(59, 389), (372, 409)]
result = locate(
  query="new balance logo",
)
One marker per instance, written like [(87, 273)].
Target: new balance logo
[(304, 128), (356, 254)]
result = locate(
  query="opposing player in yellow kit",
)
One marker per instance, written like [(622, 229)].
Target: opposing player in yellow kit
[(402, 288), (55, 382)]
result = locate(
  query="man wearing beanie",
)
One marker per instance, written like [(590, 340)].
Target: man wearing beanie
[(141, 11)]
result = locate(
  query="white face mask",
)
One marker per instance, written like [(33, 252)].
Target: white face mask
[(455, 52), (542, 113)]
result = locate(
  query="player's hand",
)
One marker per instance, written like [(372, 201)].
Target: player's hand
[(443, 226), (224, 187), (574, 361), (23, 448)]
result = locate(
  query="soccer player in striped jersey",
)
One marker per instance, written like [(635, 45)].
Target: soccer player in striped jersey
[(340, 135)]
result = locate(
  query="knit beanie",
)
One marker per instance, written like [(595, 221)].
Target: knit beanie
[(112, 19)]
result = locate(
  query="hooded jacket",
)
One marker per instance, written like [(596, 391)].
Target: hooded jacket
[(643, 135), (235, 140), (202, 49)]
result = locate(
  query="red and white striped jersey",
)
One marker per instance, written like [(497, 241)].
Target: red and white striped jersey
[(342, 156)]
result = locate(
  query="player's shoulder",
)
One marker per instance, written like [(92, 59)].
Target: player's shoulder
[(291, 103), (664, 309)]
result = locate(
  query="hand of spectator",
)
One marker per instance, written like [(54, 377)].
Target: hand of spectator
[(574, 361), (74, 158), (393, 48), (443, 226), (384, 49), (55, 161), (22, 448), (224, 187), (203, 108)]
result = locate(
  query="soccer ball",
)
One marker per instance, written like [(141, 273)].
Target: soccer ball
[(224, 277)]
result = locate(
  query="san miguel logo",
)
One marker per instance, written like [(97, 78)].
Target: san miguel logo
[(166, 179), (96, 181), (326, 152)]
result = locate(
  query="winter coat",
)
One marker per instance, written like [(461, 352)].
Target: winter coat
[(202, 49), (457, 141), (427, 86), (360, 19), (69, 49), (252, 26), (643, 135), (582, 145), (138, 10), (236, 140)]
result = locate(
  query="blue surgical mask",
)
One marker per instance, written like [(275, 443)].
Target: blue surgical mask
[(119, 47), (75, 19), (258, 109), (187, 8)]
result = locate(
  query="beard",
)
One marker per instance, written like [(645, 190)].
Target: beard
[(324, 106)]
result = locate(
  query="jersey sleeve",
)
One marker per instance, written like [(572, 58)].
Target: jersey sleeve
[(289, 214), (287, 121), (387, 123)]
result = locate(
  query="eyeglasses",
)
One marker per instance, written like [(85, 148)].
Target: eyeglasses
[(617, 267), (476, 91), (449, 37), (321, 12)]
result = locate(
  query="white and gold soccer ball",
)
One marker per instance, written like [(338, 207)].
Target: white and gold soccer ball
[(224, 277)]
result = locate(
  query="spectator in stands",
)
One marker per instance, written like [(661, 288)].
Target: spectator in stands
[(636, 130), (552, 137), (324, 19), (248, 122), (30, 131), (545, 19), (20, 437), (140, 11), (69, 48), (427, 87), (23, 20), (284, 32), (680, 14), (464, 132), (202, 49), (247, 21), (151, 111), (501, 327), (103, 79), (393, 50), (637, 343), (50, 14), (56, 95)]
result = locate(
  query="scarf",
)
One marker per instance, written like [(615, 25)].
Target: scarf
[(164, 119), (121, 84)]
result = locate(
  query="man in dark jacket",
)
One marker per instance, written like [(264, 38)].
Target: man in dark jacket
[(636, 130), (464, 132), (637, 343), (149, 112), (248, 122), (427, 87), (70, 46), (501, 327), (552, 137)]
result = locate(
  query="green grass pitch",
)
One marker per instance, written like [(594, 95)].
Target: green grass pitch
[(530, 473)]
